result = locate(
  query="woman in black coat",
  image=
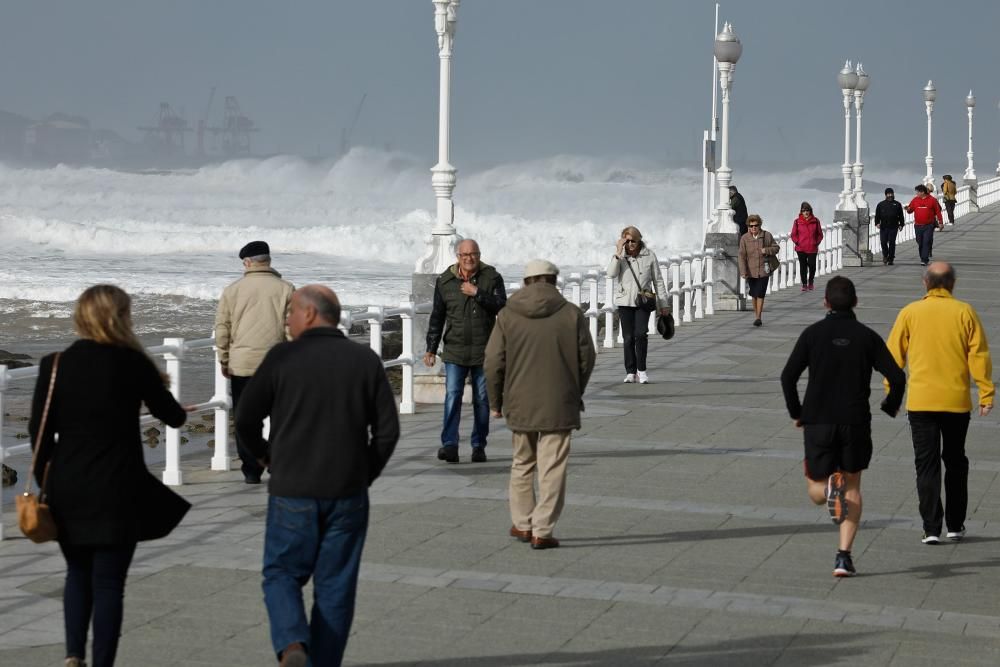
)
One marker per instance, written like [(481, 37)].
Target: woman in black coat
[(102, 497)]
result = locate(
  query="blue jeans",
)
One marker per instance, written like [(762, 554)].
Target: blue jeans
[(925, 241), (454, 377), (319, 538)]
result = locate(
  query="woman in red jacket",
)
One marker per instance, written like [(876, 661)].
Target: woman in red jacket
[(807, 232)]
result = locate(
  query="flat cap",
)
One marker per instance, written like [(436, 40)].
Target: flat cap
[(255, 249), (540, 267)]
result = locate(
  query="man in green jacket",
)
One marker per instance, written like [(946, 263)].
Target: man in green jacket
[(467, 298), (538, 362)]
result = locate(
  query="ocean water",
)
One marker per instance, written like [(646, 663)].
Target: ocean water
[(357, 224)]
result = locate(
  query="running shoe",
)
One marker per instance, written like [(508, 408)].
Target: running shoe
[(643, 378), (835, 501), (843, 566), (956, 535), (630, 378), (930, 539)]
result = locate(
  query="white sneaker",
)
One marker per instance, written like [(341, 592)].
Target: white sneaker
[(956, 535), (643, 378), (630, 378)]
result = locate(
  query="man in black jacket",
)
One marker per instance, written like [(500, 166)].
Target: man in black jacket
[(840, 354), (889, 218), (467, 298), (739, 206), (334, 426)]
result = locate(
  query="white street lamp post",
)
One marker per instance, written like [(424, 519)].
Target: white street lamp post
[(440, 252), (970, 172), (859, 168), (848, 80), (728, 50), (930, 94)]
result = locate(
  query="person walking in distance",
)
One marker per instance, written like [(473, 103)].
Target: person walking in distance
[(943, 342), (739, 206), (638, 275), (334, 426), (926, 215), (538, 361), (949, 190), (889, 220), (807, 234), (467, 298), (250, 320), (840, 354), (755, 246)]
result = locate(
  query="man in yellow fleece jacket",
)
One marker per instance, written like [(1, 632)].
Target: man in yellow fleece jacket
[(942, 340)]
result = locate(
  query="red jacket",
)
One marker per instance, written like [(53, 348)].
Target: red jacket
[(925, 210), (807, 234)]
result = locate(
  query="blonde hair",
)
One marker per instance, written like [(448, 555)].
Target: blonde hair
[(103, 314), (634, 233)]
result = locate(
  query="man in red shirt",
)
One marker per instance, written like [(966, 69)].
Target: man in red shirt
[(926, 214)]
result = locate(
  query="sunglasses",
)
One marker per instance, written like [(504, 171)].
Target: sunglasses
[(752, 226), (630, 241)]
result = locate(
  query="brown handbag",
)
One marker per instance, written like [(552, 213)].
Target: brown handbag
[(33, 514)]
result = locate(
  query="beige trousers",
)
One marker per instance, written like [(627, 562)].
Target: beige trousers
[(548, 453)]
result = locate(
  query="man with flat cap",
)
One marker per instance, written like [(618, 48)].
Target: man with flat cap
[(538, 360), (250, 321)]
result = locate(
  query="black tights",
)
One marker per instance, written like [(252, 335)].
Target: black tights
[(807, 267)]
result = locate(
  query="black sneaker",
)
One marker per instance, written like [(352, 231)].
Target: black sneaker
[(449, 454), (843, 566), (757, 323), (836, 503), (479, 455)]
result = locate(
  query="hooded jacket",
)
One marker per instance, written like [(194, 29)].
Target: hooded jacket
[(250, 319), (465, 322), (807, 234), (538, 361), (647, 270)]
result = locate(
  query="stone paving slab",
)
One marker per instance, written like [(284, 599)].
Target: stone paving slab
[(687, 537)]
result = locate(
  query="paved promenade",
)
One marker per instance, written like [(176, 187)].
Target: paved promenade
[(687, 538)]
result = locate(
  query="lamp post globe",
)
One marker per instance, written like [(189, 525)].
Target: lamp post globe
[(970, 172), (847, 79), (728, 50), (930, 94)]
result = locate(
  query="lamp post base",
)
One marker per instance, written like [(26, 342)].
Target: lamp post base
[(726, 279), (856, 248)]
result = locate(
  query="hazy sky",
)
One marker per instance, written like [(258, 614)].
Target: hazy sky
[(532, 78)]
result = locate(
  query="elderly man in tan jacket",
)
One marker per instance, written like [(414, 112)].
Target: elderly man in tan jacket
[(249, 322), (538, 360)]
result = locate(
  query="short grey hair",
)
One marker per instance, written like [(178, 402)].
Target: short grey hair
[(260, 259), (327, 309)]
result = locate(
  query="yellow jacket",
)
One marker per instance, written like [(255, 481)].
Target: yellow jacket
[(949, 189), (943, 341)]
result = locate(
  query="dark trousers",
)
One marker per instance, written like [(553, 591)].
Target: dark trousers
[(807, 267), (940, 436), (95, 587), (251, 469), (635, 328), (925, 241), (949, 206), (887, 235)]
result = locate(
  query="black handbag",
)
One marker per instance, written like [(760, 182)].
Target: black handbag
[(665, 326), (645, 300)]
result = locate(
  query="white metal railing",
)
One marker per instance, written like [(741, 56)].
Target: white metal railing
[(988, 192)]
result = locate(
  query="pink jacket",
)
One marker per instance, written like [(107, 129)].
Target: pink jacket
[(807, 234)]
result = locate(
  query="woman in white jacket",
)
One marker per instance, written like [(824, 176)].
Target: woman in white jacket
[(637, 271)]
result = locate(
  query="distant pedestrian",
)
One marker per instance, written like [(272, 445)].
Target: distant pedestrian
[(250, 321), (102, 497), (840, 354), (739, 206), (807, 234), (944, 343), (639, 292), (538, 362), (467, 298), (333, 428), (755, 246), (926, 214), (889, 219), (949, 190)]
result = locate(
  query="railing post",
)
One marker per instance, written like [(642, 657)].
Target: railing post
[(698, 268), (172, 471), (675, 289), (221, 459), (686, 259), (3, 391), (406, 404), (595, 310), (375, 329), (574, 288), (838, 233), (709, 281), (609, 315)]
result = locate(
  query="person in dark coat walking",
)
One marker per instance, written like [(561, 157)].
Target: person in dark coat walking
[(890, 219), (739, 206), (840, 354), (102, 497), (334, 426)]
